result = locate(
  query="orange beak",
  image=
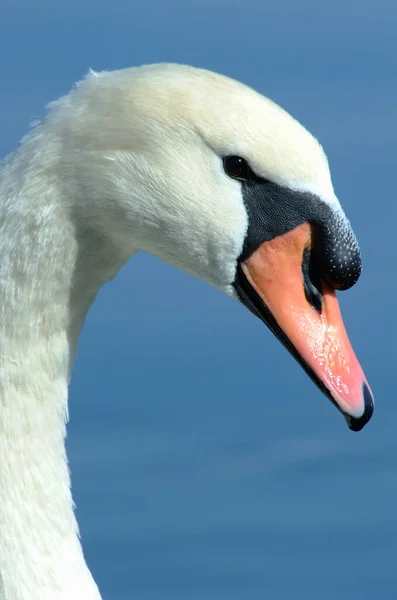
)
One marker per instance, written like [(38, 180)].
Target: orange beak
[(309, 325)]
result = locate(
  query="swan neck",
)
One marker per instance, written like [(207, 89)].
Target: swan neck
[(40, 553), (41, 313)]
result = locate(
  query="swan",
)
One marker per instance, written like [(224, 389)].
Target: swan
[(194, 168)]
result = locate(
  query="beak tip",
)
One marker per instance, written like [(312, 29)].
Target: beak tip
[(357, 423)]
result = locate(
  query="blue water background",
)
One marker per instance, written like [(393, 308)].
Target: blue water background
[(206, 465)]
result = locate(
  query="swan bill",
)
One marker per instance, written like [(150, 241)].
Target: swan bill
[(275, 283)]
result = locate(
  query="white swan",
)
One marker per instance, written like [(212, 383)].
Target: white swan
[(198, 170)]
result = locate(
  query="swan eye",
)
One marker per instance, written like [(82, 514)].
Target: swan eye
[(238, 168)]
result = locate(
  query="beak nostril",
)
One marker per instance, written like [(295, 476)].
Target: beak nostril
[(311, 281)]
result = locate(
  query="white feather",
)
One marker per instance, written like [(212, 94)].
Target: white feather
[(128, 160)]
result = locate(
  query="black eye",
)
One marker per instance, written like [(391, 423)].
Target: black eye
[(238, 168)]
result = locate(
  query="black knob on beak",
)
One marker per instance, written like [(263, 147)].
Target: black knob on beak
[(337, 252)]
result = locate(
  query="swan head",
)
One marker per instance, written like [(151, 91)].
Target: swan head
[(219, 181)]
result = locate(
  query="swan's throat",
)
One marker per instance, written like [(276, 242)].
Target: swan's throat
[(40, 318)]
